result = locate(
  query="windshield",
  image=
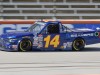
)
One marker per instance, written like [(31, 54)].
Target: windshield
[(36, 28)]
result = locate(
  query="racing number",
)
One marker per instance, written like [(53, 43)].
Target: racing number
[(54, 41)]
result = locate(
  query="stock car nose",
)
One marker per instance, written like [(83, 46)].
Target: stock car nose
[(15, 34), (1, 42)]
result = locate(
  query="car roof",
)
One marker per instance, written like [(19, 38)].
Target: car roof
[(49, 21)]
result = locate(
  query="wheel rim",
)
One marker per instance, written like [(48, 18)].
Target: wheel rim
[(78, 44), (25, 45)]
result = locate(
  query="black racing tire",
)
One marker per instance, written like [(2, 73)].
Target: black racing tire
[(25, 45), (78, 44)]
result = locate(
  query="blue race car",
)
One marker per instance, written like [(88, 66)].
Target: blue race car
[(51, 35)]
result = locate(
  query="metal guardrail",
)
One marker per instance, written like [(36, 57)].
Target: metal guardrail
[(51, 9), (46, 3), (75, 11), (30, 14)]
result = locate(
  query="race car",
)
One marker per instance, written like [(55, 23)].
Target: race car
[(51, 35)]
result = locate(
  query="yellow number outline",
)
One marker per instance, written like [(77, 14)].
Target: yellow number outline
[(54, 41)]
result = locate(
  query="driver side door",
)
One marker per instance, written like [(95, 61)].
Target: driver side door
[(51, 37)]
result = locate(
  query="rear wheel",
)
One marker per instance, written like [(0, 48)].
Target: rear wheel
[(78, 44), (25, 45)]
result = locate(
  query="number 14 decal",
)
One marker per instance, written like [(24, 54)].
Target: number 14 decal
[(49, 41)]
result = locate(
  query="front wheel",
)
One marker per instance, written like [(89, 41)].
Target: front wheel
[(78, 44), (25, 45)]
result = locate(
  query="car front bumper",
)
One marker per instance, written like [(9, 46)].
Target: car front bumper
[(7, 46)]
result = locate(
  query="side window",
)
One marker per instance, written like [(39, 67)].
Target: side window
[(53, 29), (63, 29)]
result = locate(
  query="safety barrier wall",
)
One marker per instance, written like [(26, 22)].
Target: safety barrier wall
[(21, 25)]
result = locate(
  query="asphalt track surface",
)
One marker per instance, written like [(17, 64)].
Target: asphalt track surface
[(51, 63)]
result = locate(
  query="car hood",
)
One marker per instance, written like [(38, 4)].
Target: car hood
[(16, 34)]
